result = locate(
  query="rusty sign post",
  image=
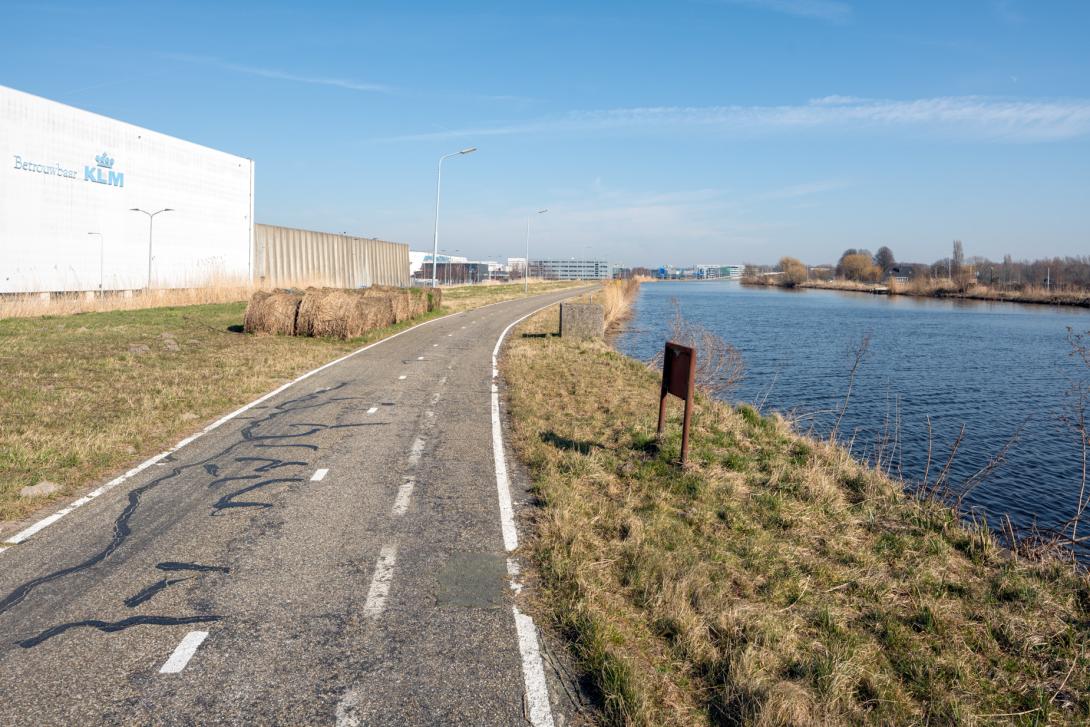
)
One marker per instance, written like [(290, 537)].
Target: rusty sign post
[(678, 374)]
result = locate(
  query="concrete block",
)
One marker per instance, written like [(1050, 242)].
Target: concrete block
[(582, 320)]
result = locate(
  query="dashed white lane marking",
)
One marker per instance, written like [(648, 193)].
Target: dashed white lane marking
[(346, 709), (533, 672), (380, 582), (98, 492), (416, 451), (513, 573), (372, 410), (185, 651), (319, 474), (419, 358), (404, 494), (402, 377), (435, 345)]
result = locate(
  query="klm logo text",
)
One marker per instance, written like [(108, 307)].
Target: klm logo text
[(103, 173)]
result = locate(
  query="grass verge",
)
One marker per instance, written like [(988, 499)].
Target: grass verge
[(775, 581), (87, 395)]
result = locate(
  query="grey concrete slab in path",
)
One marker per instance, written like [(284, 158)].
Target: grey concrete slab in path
[(231, 584)]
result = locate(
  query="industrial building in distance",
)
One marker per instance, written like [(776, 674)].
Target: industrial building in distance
[(570, 269), (95, 205), (701, 272)]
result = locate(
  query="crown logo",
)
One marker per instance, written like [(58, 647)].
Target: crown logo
[(104, 160)]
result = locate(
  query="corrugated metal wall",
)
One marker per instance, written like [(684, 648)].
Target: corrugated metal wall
[(285, 256)]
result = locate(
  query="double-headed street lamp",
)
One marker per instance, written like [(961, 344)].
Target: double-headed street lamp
[(435, 239), (526, 276), (101, 256), (151, 223)]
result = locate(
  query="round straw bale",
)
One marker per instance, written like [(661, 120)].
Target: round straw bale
[(274, 313)]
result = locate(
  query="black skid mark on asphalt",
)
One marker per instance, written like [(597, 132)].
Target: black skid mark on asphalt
[(228, 501), (122, 530), (146, 593), (270, 463), (175, 565), (212, 469), (312, 447), (110, 627), (223, 480)]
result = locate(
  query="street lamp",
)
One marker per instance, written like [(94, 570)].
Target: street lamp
[(526, 276), (435, 239), (151, 223), (101, 253)]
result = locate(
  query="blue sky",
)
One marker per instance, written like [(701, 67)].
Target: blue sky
[(682, 131)]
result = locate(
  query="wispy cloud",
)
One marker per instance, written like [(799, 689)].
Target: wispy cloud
[(961, 117), (1008, 12), (832, 11), (280, 75)]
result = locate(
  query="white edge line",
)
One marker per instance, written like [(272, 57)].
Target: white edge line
[(319, 474), (503, 483), (404, 493), (380, 582), (184, 652), (533, 671), (49, 520)]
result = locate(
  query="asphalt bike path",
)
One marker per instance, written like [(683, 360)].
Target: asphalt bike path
[(339, 553)]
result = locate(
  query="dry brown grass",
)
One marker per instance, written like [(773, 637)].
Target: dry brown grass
[(616, 298), (33, 305), (775, 581)]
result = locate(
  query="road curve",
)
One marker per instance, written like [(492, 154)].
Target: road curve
[(331, 555)]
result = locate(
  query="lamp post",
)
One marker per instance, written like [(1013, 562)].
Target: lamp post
[(526, 276), (435, 239), (151, 224), (101, 254)]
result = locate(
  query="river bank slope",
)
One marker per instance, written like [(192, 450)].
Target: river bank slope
[(938, 289), (775, 580)]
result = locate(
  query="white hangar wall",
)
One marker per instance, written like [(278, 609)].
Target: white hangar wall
[(67, 172)]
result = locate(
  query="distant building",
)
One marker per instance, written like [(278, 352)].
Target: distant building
[(516, 266), (570, 269)]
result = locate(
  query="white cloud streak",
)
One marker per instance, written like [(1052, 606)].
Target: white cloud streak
[(960, 117), (832, 11), (279, 75)]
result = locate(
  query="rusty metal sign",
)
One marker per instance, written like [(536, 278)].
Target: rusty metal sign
[(678, 376)]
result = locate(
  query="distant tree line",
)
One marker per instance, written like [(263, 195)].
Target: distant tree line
[(862, 266)]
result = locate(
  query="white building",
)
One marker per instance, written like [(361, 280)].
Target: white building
[(68, 173), (570, 269)]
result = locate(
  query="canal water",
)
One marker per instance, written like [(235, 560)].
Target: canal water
[(999, 369)]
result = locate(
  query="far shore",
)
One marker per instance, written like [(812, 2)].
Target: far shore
[(938, 289)]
